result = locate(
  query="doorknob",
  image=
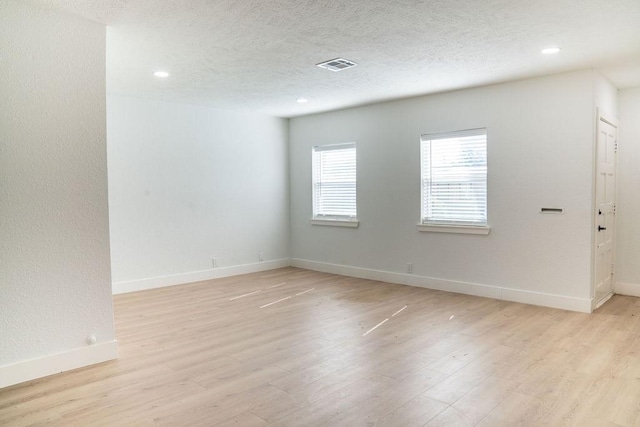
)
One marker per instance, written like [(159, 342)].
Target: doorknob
[(600, 228)]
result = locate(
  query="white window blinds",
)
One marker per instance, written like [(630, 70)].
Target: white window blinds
[(334, 181), (454, 177)]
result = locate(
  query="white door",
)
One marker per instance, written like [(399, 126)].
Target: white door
[(606, 147)]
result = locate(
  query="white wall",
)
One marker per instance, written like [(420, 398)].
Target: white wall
[(628, 203), (54, 237), (540, 154), (605, 97), (189, 183)]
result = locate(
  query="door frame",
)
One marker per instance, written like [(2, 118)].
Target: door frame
[(600, 116)]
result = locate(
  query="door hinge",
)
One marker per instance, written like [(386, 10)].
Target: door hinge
[(614, 209), (613, 269)]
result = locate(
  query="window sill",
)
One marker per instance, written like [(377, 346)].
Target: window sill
[(336, 222), (452, 228)]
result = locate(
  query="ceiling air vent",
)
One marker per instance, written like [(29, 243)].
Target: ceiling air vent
[(337, 64)]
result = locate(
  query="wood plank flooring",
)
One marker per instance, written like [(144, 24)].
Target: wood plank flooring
[(291, 347)]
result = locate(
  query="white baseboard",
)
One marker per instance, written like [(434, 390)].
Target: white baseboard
[(527, 297), (54, 364), (196, 276), (630, 289)]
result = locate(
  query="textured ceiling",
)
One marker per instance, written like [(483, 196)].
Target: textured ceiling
[(261, 54)]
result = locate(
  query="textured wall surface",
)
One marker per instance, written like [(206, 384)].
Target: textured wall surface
[(540, 154), (189, 183), (261, 54), (628, 226), (54, 236)]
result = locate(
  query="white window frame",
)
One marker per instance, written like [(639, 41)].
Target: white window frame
[(451, 225), (324, 218)]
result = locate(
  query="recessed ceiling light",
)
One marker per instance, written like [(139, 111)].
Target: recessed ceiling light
[(550, 50), (161, 74), (302, 100)]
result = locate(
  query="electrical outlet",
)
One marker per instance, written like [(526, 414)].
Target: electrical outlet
[(214, 262), (409, 267), (260, 257)]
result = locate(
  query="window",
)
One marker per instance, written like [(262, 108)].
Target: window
[(334, 185), (454, 181)]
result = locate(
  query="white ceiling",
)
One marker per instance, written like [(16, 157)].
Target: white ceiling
[(261, 54)]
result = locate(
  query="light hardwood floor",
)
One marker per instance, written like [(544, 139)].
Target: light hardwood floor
[(216, 353)]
